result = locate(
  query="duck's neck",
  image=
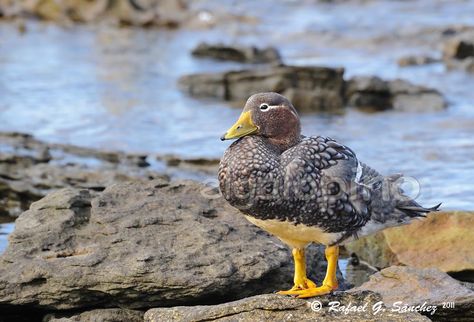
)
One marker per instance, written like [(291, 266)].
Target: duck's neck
[(284, 142)]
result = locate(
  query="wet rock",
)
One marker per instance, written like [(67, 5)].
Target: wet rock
[(458, 51), (465, 64), (417, 245), (168, 13), (102, 315), (408, 286), (448, 249), (238, 53), (318, 88), (357, 271), (315, 89), (417, 61), (374, 250), (374, 93), (459, 48), (206, 85), (29, 169), (315, 101), (272, 307), (204, 165), (140, 245)]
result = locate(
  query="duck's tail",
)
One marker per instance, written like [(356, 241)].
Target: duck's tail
[(412, 209)]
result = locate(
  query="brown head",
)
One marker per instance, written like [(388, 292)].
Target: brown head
[(269, 115)]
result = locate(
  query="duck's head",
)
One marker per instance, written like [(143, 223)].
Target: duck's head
[(269, 115)]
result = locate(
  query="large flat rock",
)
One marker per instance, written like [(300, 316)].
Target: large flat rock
[(271, 307), (410, 287), (98, 315), (443, 240)]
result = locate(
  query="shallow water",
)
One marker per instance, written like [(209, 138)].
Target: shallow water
[(5, 230), (116, 88)]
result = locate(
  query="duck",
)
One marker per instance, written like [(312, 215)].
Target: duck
[(306, 189)]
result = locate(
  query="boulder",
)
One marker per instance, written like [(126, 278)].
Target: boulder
[(458, 51), (374, 250), (466, 64), (442, 240), (250, 54), (357, 271), (317, 88), (140, 245), (373, 93), (168, 13), (438, 295), (459, 48), (202, 165), (99, 315), (417, 60), (272, 307)]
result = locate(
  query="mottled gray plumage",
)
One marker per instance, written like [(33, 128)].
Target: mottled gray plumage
[(279, 174)]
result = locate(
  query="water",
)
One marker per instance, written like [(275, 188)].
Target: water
[(116, 88), (5, 230)]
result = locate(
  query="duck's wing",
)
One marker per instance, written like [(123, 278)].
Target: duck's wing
[(336, 200), (352, 198)]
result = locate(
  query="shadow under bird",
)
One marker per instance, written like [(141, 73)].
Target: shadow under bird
[(306, 189)]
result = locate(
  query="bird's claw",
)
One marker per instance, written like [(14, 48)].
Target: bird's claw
[(308, 292), (303, 285)]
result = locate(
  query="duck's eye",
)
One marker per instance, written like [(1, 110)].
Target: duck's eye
[(263, 106)]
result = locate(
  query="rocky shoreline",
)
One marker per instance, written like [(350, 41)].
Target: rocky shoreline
[(175, 251), (30, 169), (315, 89), (102, 237)]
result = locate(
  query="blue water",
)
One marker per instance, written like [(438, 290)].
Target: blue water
[(5, 230)]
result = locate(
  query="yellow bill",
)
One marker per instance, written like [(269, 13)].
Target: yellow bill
[(244, 126)]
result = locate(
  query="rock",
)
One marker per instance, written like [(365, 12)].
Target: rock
[(318, 88), (357, 272), (449, 249), (466, 64), (374, 250), (99, 315), (206, 85), (430, 100), (315, 101), (238, 53), (140, 245), (315, 89), (272, 307), (458, 51), (168, 13), (368, 92), (204, 165), (29, 169), (417, 245), (459, 48), (417, 61), (376, 94), (408, 286)]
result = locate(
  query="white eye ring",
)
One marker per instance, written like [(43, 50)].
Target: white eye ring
[(264, 107)]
